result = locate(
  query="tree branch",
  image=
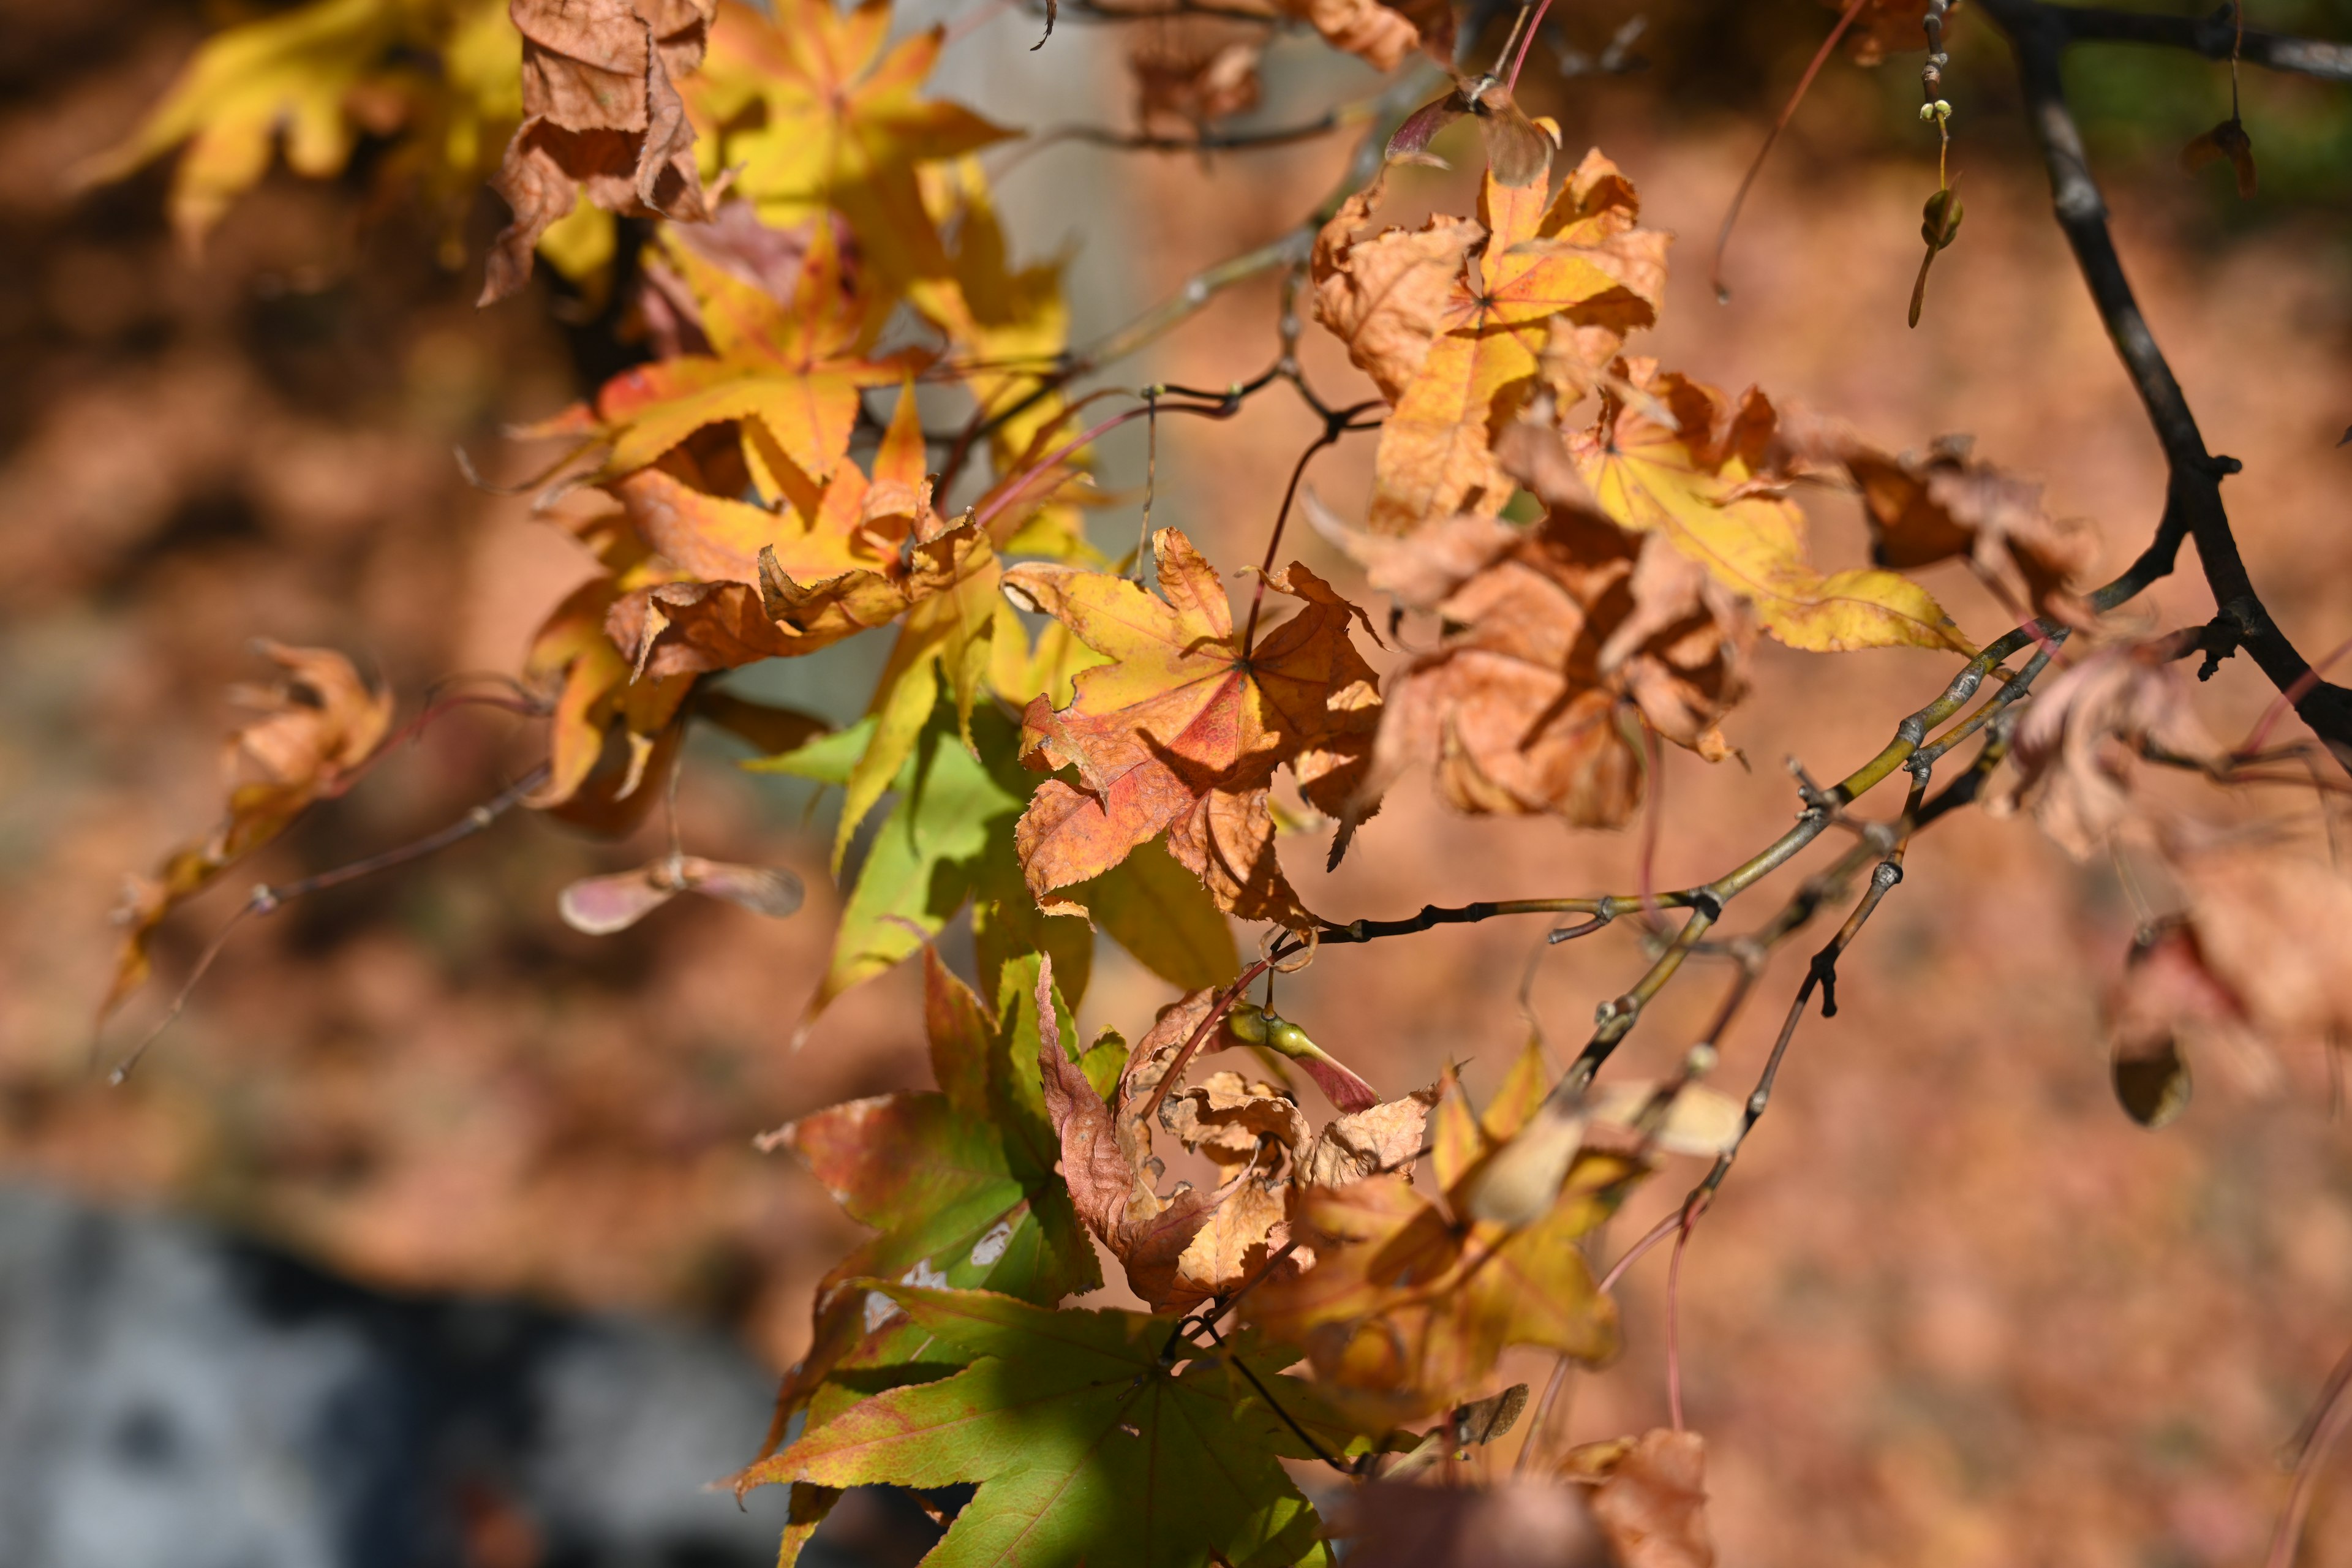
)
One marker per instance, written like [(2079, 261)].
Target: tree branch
[(2208, 36), (2040, 33)]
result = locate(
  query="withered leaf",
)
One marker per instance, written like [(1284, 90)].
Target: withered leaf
[(2226, 140), (314, 731), (1651, 1502), (1694, 480), (1946, 505), (1562, 641), (1408, 1302), (1458, 367), (601, 113), (2072, 751)]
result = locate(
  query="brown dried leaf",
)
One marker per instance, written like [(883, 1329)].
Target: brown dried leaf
[(2228, 140), (1386, 1138), (1379, 35), (1651, 1501), (316, 727), (601, 112), (1944, 505), (1885, 27), (1385, 295), (2274, 928), (1560, 636), (1188, 79), (2072, 750)]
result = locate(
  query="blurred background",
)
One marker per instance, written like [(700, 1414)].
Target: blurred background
[(435, 1232)]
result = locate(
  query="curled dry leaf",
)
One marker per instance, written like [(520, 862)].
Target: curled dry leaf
[(1181, 734), (1519, 150), (601, 113), (601, 906), (2165, 990), (1457, 363), (1190, 78), (1947, 506), (2072, 751), (1410, 1301), (1651, 1498), (313, 730), (1562, 641), (1188, 1244), (1379, 35)]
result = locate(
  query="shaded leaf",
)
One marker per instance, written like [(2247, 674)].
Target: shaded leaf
[(956, 1195), (1087, 1446)]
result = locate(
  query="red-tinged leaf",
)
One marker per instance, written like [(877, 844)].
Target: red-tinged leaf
[(952, 1183), (1178, 714)]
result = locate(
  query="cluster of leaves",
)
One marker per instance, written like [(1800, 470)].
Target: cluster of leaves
[(1599, 542)]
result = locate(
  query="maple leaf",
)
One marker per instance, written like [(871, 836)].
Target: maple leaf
[(2072, 751), (1409, 1301), (1088, 1445), (1556, 636), (1651, 1500), (1944, 505), (1457, 366), (945, 842), (608, 733), (1182, 733), (317, 75), (1379, 35), (1691, 481), (1190, 1244), (788, 369), (601, 115), (316, 730), (2273, 927), (815, 112), (959, 1183)]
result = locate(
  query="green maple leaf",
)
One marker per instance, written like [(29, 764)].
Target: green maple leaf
[(1088, 1448), (959, 1182), (948, 838)]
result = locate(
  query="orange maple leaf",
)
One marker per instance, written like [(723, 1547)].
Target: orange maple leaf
[(1456, 368), (1183, 730)]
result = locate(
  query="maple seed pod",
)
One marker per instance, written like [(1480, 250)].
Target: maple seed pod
[(1940, 218), (1253, 1025)]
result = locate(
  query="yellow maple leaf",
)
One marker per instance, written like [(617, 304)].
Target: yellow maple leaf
[(1579, 256), (314, 76), (814, 113), (789, 370), (1692, 484)]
